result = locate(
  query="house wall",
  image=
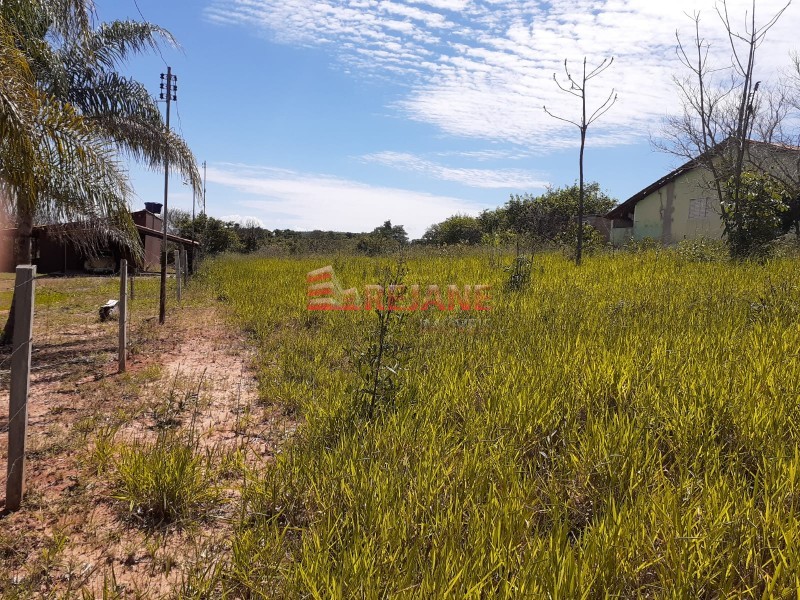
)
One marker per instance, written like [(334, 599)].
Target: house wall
[(601, 224), (148, 219), (49, 254), (621, 236), (664, 215), (7, 262), (781, 163), (150, 243), (52, 255), (152, 252)]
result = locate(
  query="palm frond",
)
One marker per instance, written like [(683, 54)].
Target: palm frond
[(54, 167), (112, 43), (84, 182), (110, 93), (18, 110), (151, 145), (64, 20), (71, 19), (66, 114)]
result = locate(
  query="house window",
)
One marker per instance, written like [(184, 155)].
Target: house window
[(700, 208)]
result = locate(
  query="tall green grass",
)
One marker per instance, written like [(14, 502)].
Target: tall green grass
[(626, 429), (165, 481)]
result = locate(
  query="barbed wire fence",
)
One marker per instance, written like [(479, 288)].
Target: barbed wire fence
[(190, 384), (76, 336)]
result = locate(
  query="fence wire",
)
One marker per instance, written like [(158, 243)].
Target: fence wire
[(71, 343)]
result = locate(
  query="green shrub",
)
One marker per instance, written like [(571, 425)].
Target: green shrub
[(787, 246), (593, 240), (642, 245), (702, 250), (519, 273), (756, 219)]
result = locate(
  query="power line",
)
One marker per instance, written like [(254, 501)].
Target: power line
[(180, 121), (158, 49)]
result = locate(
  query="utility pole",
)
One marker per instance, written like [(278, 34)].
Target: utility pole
[(169, 88), (194, 204), (204, 187)]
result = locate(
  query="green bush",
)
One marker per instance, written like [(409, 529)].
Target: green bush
[(593, 240), (756, 219), (702, 250), (642, 245), (787, 246), (458, 229)]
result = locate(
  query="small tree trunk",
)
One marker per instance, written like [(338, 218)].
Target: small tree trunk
[(22, 253), (584, 126), (579, 245)]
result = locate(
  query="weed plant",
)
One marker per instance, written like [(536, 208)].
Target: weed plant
[(165, 481), (519, 273)]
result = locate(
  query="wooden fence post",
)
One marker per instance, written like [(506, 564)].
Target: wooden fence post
[(123, 315), (24, 289), (185, 254), (178, 272)]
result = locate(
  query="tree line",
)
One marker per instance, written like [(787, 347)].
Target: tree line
[(546, 220)]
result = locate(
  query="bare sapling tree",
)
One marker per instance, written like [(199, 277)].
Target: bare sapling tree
[(722, 109), (577, 88)]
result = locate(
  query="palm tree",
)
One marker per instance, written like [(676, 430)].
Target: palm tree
[(66, 114), (119, 109), (50, 161)]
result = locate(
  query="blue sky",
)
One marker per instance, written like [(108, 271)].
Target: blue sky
[(341, 114)]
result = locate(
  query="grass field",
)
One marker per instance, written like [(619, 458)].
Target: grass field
[(626, 429)]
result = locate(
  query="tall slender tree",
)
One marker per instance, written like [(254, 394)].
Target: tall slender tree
[(577, 88)]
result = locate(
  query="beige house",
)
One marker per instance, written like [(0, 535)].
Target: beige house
[(684, 203)]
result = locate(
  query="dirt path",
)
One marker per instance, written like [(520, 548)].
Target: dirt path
[(192, 376)]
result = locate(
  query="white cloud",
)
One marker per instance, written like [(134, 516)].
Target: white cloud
[(484, 68), (244, 220), (486, 155), (478, 178), (286, 199)]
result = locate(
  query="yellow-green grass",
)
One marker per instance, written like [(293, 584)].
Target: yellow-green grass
[(628, 428), (85, 292)]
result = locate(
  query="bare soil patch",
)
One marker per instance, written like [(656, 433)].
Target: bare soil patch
[(193, 375)]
